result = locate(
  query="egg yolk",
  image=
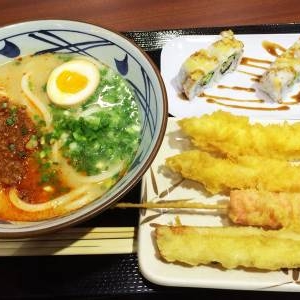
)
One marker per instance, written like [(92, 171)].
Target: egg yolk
[(71, 82)]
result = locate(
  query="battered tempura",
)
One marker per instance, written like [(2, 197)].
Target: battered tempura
[(220, 175), (232, 135), (232, 157), (266, 209), (230, 246)]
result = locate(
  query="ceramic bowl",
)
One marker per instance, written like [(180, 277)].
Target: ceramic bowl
[(121, 55)]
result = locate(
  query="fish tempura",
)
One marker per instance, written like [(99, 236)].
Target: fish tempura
[(220, 175), (231, 135)]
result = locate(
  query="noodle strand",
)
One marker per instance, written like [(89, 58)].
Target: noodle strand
[(35, 101), (52, 204)]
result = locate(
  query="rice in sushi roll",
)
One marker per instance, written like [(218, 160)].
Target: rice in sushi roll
[(283, 73), (207, 66)]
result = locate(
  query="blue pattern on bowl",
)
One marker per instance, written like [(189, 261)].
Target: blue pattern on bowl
[(10, 49), (39, 37), (60, 44), (122, 65)]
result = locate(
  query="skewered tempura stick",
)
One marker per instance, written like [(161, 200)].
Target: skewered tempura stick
[(240, 136), (246, 207), (230, 246), (221, 175), (266, 209)]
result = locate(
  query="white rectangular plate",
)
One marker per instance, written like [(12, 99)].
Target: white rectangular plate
[(158, 183), (178, 49)]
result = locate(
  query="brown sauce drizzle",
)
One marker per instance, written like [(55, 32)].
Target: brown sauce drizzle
[(256, 76), (237, 88), (289, 102), (257, 60), (283, 107), (231, 99), (182, 96), (247, 61), (273, 48), (296, 97), (255, 79)]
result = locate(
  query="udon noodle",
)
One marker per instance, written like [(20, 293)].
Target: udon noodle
[(69, 129)]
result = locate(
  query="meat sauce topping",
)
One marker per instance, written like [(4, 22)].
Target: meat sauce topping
[(16, 129), (21, 165)]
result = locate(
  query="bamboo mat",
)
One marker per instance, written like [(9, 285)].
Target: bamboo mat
[(74, 241)]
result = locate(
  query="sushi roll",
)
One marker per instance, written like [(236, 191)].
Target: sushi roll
[(197, 73), (207, 66), (229, 52), (283, 73)]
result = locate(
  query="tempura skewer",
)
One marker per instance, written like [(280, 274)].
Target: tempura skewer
[(231, 136), (220, 175), (245, 207), (230, 246)]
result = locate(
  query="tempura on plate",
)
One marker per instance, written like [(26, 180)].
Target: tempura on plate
[(232, 247), (255, 165), (272, 210), (231, 135), (220, 175)]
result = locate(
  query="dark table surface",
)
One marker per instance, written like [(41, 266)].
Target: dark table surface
[(118, 276)]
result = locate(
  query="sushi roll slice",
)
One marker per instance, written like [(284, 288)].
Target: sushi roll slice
[(207, 66), (197, 73), (283, 73), (229, 52)]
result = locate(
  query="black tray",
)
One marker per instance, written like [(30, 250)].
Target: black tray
[(114, 276)]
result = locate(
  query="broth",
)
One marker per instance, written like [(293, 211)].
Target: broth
[(74, 152)]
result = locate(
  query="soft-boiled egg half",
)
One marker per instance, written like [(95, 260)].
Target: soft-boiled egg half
[(73, 82)]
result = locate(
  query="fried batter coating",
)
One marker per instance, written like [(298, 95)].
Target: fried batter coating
[(230, 246), (266, 209), (232, 135), (220, 175)]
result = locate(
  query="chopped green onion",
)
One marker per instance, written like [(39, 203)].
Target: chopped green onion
[(10, 121), (12, 147)]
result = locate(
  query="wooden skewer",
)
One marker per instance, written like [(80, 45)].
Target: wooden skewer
[(172, 204)]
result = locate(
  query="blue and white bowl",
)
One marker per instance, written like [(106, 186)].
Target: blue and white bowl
[(121, 55)]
